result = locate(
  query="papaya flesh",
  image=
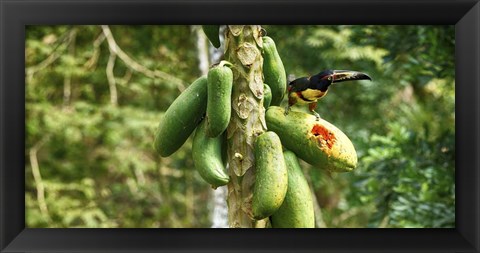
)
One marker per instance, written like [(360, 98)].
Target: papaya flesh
[(319, 143)]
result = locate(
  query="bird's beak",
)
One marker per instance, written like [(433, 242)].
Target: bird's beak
[(348, 75)]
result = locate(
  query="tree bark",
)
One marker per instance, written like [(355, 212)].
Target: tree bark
[(243, 49)]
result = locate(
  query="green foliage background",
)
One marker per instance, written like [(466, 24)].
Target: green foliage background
[(95, 163)]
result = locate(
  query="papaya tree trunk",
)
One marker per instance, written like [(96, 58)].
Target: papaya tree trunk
[(243, 49)]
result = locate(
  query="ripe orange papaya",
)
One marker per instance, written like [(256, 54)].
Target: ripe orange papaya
[(319, 143)]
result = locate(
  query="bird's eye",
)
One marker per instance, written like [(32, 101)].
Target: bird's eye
[(329, 78)]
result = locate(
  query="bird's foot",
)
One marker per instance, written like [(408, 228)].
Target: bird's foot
[(287, 110), (317, 116)]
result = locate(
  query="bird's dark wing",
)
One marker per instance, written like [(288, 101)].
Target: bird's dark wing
[(299, 84)]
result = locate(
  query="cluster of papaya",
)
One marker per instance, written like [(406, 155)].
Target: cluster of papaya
[(281, 191), (205, 106)]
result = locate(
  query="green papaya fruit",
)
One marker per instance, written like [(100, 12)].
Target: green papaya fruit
[(271, 178), (296, 210), (219, 105), (212, 32), (274, 71), (181, 118), (317, 142), (267, 96), (207, 157)]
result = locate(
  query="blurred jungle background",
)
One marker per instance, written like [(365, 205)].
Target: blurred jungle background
[(95, 94)]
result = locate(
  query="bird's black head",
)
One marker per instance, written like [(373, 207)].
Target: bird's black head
[(325, 78)]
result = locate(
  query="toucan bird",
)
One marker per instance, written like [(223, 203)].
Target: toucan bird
[(307, 90)]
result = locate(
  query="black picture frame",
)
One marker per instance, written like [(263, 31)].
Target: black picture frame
[(15, 14)]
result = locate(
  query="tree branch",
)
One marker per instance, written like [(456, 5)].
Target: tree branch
[(96, 52), (346, 215), (67, 79), (38, 178), (65, 40), (137, 66), (319, 222), (111, 78), (202, 48)]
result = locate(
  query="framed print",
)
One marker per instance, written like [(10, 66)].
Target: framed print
[(83, 168)]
